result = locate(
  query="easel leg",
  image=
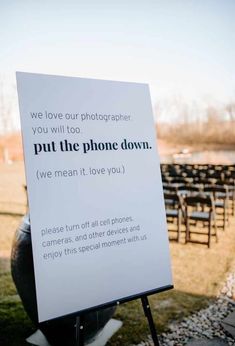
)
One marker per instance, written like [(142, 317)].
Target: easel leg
[(79, 331), (148, 314)]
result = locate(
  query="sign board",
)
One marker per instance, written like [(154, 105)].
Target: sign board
[(96, 204)]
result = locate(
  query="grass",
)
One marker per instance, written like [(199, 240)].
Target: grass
[(166, 308), (198, 273), (15, 326)]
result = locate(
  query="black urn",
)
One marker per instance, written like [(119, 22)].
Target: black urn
[(59, 332)]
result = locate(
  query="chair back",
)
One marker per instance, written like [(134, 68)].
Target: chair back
[(217, 191), (199, 199)]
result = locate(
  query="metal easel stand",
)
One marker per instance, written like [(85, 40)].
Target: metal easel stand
[(147, 312), (79, 331)]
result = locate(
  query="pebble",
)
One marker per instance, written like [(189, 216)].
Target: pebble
[(203, 324)]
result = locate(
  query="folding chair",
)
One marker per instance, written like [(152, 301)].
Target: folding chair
[(220, 195), (201, 209), (230, 184), (174, 211)]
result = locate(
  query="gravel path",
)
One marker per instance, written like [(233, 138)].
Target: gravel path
[(204, 324)]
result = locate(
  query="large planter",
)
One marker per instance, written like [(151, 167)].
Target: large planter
[(60, 331)]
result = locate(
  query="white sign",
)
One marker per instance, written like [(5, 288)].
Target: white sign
[(97, 213)]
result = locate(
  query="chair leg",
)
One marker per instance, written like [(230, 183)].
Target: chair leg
[(215, 227), (209, 233), (178, 230), (187, 230), (178, 227), (225, 219)]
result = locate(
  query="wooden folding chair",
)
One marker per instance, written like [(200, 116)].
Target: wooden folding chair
[(200, 209), (174, 212), (220, 196)]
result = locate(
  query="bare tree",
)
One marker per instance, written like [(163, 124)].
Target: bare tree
[(230, 109), (6, 107)]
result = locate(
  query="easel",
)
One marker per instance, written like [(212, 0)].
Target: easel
[(148, 315)]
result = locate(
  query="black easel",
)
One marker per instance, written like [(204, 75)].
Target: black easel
[(79, 330), (147, 312)]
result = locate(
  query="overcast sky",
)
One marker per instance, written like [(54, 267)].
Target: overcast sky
[(178, 47)]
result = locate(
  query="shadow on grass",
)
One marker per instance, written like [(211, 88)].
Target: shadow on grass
[(15, 326), (166, 307)]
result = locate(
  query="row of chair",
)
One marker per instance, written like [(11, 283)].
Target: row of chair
[(187, 168), (194, 173), (190, 210), (201, 206)]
